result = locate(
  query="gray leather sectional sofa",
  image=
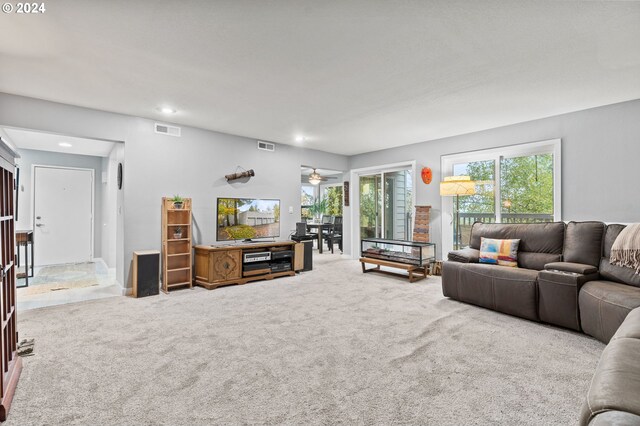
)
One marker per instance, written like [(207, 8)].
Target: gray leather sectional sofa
[(564, 278)]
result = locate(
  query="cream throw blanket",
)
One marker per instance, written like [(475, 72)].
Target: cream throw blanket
[(626, 248)]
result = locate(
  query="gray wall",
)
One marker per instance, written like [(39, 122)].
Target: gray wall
[(600, 152), (112, 202), (30, 157), (193, 165)]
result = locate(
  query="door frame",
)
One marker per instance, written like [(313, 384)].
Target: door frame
[(93, 199), (354, 190)]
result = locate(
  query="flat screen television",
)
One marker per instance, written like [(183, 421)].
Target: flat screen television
[(247, 219)]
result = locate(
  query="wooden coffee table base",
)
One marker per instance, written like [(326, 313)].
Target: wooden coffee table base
[(415, 272)]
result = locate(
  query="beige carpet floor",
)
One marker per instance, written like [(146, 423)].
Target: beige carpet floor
[(330, 346)]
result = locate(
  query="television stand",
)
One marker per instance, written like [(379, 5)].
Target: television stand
[(216, 266)]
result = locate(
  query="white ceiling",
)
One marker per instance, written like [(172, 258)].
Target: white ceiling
[(352, 76), (26, 139)]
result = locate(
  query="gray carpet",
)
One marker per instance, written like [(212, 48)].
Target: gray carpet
[(331, 346)]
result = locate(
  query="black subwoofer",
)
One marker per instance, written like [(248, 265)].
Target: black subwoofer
[(146, 273)]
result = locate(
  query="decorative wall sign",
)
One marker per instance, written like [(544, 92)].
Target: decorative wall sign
[(345, 197), (427, 175)]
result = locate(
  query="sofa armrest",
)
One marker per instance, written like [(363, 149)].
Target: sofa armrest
[(575, 268), (465, 255)]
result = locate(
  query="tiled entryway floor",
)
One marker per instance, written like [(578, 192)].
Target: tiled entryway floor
[(60, 284)]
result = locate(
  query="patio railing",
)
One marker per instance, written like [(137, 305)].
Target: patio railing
[(468, 219)]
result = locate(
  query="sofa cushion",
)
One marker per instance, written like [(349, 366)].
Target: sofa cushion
[(501, 288), (540, 243), (534, 237), (583, 242), (536, 261), (604, 305), (613, 272), (499, 252)]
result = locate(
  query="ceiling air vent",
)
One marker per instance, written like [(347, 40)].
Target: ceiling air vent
[(167, 130), (266, 146)]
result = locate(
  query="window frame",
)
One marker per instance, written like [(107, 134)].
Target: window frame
[(550, 146)]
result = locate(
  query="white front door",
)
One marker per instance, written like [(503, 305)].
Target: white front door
[(63, 215)]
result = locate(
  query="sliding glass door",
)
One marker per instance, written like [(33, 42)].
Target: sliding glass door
[(386, 205), (370, 206)]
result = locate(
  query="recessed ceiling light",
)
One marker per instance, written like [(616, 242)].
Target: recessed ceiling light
[(300, 138), (65, 144), (167, 110)]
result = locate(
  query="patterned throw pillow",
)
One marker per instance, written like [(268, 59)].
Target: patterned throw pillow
[(499, 252)]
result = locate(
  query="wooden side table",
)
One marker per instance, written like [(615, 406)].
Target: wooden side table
[(24, 238)]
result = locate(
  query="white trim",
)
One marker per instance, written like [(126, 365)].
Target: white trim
[(93, 195), (354, 191), (553, 146)]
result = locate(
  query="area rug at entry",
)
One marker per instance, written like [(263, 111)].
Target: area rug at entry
[(58, 286), (329, 346), (62, 277)]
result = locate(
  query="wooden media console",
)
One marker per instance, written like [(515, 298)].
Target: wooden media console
[(220, 265)]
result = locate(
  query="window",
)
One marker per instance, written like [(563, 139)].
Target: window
[(515, 184), (526, 185), (333, 194), (307, 196)]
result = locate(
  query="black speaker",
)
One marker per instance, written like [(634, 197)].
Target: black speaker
[(301, 229), (308, 255), (146, 273)]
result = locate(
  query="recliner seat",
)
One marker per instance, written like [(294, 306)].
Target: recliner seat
[(505, 289)]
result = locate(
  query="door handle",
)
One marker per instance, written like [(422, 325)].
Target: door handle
[(39, 224)]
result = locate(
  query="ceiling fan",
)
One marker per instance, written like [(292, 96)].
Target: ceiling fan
[(315, 178)]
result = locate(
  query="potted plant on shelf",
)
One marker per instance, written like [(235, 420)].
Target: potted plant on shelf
[(177, 233), (178, 202), (318, 208)]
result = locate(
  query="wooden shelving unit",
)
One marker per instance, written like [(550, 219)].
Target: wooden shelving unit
[(176, 251), (10, 362)]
